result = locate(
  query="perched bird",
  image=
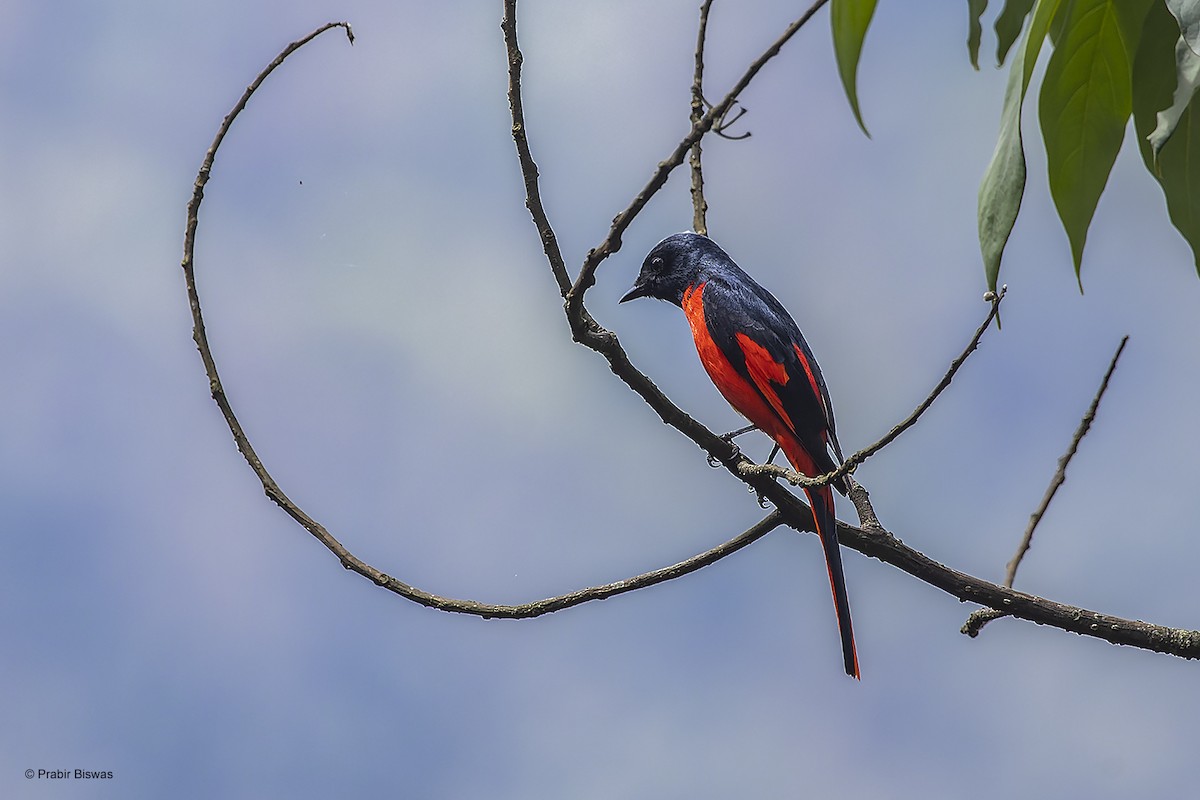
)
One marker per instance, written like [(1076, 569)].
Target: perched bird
[(755, 354)]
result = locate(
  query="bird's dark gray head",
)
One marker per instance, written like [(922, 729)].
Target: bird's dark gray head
[(673, 265)]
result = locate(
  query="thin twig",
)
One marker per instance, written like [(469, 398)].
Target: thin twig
[(1060, 475), (724, 124), (977, 620), (529, 170), (862, 455), (699, 204), (206, 167), (552, 604)]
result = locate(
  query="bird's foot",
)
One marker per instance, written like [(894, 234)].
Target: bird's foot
[(729, 437)]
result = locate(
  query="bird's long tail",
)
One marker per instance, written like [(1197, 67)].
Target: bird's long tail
[(821, 500)]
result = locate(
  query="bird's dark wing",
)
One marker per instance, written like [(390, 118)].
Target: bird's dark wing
[(764, 346)]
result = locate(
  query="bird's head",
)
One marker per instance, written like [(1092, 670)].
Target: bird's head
[(672, 266)]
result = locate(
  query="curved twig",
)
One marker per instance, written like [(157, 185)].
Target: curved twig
[(699, 205), (280, 498), (724, 124)]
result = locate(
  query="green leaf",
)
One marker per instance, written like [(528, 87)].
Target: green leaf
[(975, 9), (1008, 26), (850, 19), (1187, 14), (1177, 168), (1059, 22), (1003, 182), (1086, 100)]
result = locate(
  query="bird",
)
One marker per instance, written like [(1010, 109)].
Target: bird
[(761, 364)]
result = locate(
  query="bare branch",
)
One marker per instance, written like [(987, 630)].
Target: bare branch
[(977, 620), (699, 205), (1147, 636), (871, 540)]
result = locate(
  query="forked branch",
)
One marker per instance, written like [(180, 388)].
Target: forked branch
[(978, 619), (872, 541)]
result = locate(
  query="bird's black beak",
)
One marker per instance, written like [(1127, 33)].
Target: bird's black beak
[(639, 290)]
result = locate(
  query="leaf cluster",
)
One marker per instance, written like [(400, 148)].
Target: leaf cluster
[(1112, 60)]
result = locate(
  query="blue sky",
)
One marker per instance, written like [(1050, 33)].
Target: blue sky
[(389, 333)]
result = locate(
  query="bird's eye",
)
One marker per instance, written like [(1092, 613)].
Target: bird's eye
[(656, 262)]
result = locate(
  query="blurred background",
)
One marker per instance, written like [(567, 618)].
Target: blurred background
[(389, 333)]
